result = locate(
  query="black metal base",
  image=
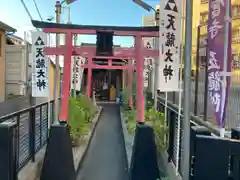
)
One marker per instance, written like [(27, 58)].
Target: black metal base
[(211, 158), (144, 165), (58, 161)]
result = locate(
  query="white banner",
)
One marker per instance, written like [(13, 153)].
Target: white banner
[(77, 73), (169, 47), (148, 43), (40, 65), (145, 78)]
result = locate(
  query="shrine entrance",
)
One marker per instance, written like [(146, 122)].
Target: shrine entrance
[(104, 50), (61, 157), (102, 78)]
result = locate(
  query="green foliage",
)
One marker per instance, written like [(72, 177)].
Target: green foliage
[(87, 105), (157, 120), (153, 118), (125, 95), (130, 118), (81, 111)]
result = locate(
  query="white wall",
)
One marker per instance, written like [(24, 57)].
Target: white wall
[(16, 69)]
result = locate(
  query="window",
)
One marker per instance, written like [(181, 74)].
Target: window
[(236, 61), (236, 11), (236, 35), (204, 17), (204, 1)]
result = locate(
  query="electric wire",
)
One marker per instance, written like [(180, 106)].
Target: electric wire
[(26, 9), (36, 6)]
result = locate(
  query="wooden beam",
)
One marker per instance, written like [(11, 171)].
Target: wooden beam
[(119, 52)]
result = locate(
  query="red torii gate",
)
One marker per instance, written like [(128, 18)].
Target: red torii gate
[(138, 52), (59, 155)]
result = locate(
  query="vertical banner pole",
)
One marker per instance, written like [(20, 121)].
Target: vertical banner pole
[(178, 137), (165, 114), (57, 69), (187, 89), (165, 110), (197, 72), (50, 93), (225, 67)]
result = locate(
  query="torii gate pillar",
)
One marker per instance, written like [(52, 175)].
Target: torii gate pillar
[(140, 90)]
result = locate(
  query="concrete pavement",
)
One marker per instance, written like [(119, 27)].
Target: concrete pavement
[(106, 157)]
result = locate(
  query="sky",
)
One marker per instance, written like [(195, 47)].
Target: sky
[(86, 12)]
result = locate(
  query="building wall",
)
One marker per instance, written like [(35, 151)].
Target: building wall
[(16, 69), (2, 65), (235, 28), (51, 80)]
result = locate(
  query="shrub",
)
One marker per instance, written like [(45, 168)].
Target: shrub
[(130, 119), (81, 111), (87, 105), (153, 118)]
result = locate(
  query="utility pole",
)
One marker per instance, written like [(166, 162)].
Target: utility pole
[(57, 69), (187, 89)]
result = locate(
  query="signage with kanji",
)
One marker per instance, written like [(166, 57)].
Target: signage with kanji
[(40, 64), (219, 59), (169, 45), (148, 44), (77, 72)]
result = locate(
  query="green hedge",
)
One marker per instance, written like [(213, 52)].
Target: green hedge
[(81, 113)]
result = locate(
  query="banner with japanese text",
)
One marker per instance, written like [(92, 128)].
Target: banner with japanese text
[(77, 71), (148, 61), (40, 65), (219, 72), (169, 45)]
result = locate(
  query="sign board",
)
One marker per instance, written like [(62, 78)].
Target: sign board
[(40, 65), (169, 47), (77, 72), (219, 68), (148, 43)]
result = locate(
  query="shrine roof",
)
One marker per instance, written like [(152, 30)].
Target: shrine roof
[(43, 24)]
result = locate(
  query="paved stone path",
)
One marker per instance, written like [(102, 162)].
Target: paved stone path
[(106, 157)]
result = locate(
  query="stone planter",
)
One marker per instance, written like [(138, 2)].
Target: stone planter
[(128, 140)]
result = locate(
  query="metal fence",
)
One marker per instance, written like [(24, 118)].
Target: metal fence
[(31, 132), (175, 148), (175, 133), (202, 107)]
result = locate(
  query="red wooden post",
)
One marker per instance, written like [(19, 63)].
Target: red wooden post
[(66, 77), (129, 84), (109, 62), (89, 77), (139, 92)]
